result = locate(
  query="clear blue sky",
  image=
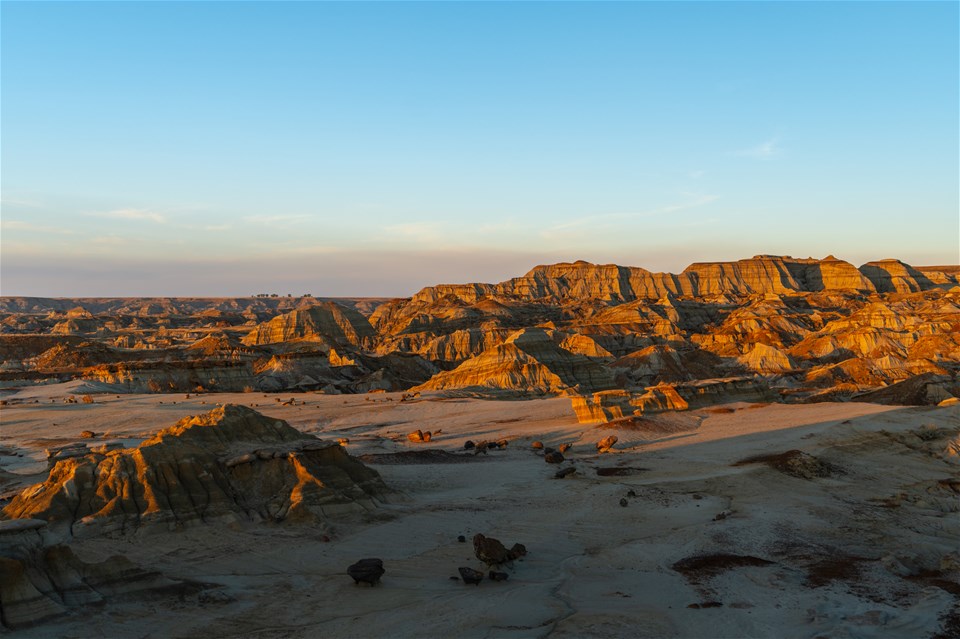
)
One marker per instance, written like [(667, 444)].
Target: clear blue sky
[(371, 149)]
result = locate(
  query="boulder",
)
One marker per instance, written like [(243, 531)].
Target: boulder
[(367, 571)]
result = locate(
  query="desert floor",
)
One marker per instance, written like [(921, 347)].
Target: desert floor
[(861, 549)]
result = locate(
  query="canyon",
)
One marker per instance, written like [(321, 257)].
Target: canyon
[(729, 449)]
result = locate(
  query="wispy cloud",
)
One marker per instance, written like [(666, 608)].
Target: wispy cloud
[(18, 225), (762, 151), (273, 220), (133, 215), (24, 204), (692, 200), (415, 231)]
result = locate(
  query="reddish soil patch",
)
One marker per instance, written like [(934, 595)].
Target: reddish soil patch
[(700, 567)]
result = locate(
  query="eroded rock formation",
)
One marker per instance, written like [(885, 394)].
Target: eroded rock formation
[(231, 464)]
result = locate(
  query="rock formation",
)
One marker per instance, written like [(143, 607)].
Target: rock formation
[(528, 362), (231, 464), (810, 329), (40, 580), (325, 322)]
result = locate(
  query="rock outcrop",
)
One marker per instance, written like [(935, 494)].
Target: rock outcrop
[(609, 406), (231, 464), (530, 361), (40, 580), (326, 322)]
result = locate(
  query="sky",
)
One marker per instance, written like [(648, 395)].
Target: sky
[(371, 149)]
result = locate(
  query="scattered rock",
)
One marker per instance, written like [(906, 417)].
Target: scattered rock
[(565, 447), (553, 457), (461, 539), (467, 445), (723, 514), (489, 550), (537, 445), (470, 576), (566, 472), (419, 436), (623, 502), (606, 443), (517, 551), (367, 570), (498, 576), (87, 434)]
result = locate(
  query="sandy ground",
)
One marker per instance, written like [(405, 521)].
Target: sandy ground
[(866, 551)]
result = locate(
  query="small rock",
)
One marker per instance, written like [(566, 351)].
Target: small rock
[(553, 457), (88, 434), (565, 447), (367, 570), (623, 502), (462, 539), (502, 443), (214, 597), (498, 576), (723, 515), (489, 550), (631, 493), (518, 550), (606, 443), (470, 576), (467, 445), (566, 472), (343, 441), (419, 436), (537, 445)]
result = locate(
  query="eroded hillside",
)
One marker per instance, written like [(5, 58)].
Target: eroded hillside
[(797, 329)]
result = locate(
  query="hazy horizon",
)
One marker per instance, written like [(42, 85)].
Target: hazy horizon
[(371, 149)]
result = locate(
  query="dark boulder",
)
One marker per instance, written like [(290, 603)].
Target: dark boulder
[(470, 576), (553, 457), (367, 570)]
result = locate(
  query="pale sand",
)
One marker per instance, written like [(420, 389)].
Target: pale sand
[(594, 568)]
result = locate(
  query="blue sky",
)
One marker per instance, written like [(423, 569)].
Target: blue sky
[(375, 148)]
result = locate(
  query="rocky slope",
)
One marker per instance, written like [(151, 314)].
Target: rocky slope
[(231, 464), (40, 580)]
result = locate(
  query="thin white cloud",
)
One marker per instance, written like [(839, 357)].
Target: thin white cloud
[(26, 204), (273, 220), (762, 151), (693, 200), (133, 215), (19, 225)]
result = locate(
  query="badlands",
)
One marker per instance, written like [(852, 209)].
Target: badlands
[(761, 448)]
